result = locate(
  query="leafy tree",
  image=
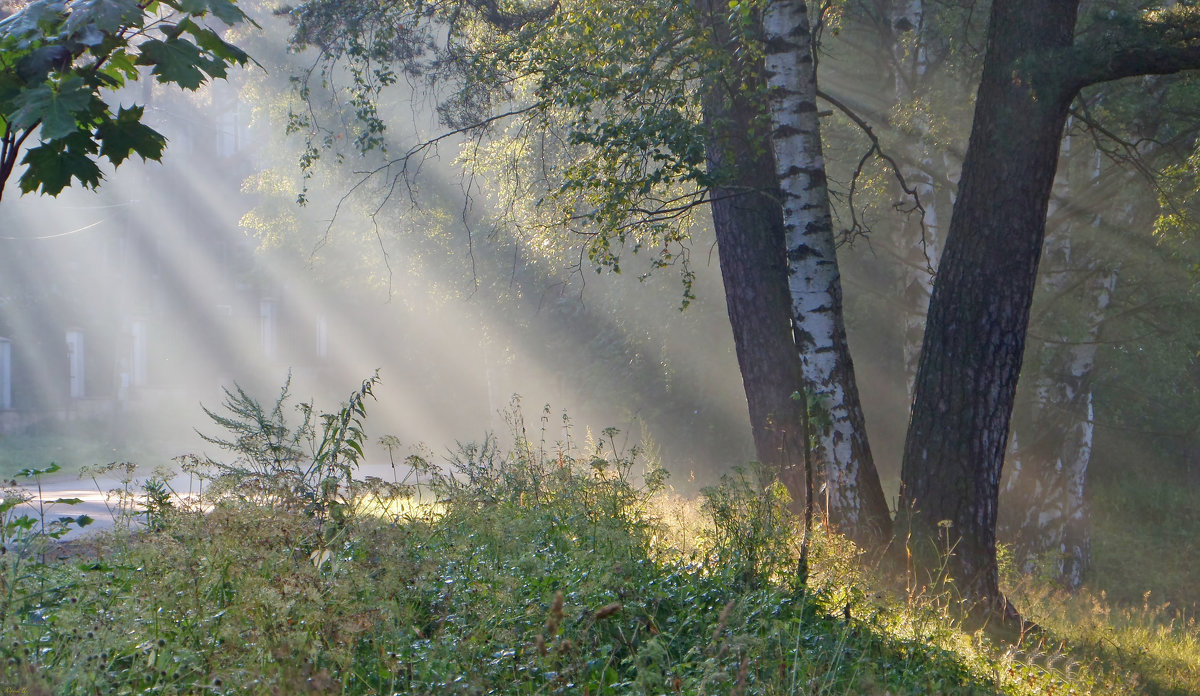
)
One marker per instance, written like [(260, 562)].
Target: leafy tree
[(626, 149), (62, 60)]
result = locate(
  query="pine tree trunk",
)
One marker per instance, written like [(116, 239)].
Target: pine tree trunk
[(979, 311), (855, 496)]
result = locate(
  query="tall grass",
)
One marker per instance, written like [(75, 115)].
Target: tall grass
[(539, 568)]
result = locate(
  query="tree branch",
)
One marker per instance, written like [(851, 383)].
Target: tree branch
[(1161, 42), (877, 149)]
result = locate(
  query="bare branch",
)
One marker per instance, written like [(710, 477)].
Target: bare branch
[(417, 153), (877, 149)]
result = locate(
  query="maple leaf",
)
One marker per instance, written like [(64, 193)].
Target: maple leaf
[(56, 106), (126, 135), (175, 60), (52, 165)]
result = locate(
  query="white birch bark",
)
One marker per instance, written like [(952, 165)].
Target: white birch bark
[(1046, 479), (918, 239), (852, 493), (1045, 511)]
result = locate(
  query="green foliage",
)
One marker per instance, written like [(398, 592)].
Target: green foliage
[(585, 113), (306, 468), (1146, 647), (60, 63), (24, 541), (753, 533)]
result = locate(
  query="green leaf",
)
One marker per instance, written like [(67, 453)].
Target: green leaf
[(212, 42), (24, 522), (120, 67), (174, 60), (51, 468), (126, 135), (58, 107), (52, 165), (36, 66), (84, 520), (224, 10), (91, 36), (67, 501), (106, 16), (10, 87), (30, 19)]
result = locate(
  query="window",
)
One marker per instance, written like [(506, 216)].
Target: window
[(75, 364), (322, 338), (268, 329), (138, 335), (5, 373)]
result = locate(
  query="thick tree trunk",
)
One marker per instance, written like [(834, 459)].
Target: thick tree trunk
[(855, 496), (979, 311), (748, 223)]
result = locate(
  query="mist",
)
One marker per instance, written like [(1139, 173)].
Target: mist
[(128, 309)]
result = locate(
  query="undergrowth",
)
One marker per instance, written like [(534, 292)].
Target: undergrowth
[(536, 568)]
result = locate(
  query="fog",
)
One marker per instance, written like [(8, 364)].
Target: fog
[(129, 308)]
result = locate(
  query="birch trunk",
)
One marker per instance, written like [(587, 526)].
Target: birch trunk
[(855, 501), (918, 239), (1044, 512), (1044, 506)]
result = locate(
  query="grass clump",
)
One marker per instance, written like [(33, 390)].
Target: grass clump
[(533, 569), (1151, 649)]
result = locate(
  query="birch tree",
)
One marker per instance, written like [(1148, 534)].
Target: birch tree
[(1046, 471), (635, 146), (917, 239), (855, 497)]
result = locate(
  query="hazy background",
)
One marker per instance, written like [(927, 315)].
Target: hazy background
[(179, 278)]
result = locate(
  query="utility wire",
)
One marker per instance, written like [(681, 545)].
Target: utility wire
[(52, 236)]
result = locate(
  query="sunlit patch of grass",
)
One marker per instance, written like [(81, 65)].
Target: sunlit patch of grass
[(408, 507), (549, 585), (1146, 537), (1148, 649)]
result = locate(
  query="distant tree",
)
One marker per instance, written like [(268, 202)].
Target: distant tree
[(62, 60), (1036, 63)]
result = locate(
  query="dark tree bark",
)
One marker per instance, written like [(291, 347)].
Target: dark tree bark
[(975, 333), (748, 222), (979, 312)]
